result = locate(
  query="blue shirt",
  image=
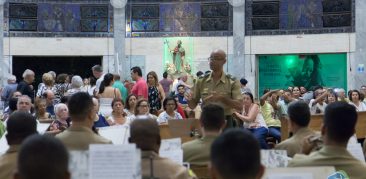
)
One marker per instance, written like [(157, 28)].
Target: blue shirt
[(181, 99), (7, 92), (101, 122), (51, 110)]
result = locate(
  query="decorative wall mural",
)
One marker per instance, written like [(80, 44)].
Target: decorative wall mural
[(297, 14), (23, 17), (215, 10), (94, 18), (145, 18), (23, 10), (214, 24), (180, 17), (145, 25), (58, 17), (145, 11), (215, 17), (22, 25)]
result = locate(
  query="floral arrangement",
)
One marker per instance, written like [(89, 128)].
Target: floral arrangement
[(170, 68)]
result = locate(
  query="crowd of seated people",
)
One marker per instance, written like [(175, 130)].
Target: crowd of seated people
[(75, 113)]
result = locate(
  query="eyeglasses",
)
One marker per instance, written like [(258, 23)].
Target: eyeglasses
[(213, 59)]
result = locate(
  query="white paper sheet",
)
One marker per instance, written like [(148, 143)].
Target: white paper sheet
[(356, 151), (299, 172), (170, 144), (353, 140), (117, 134), (42, 127), (175, 155), (274, 158), (79, 164), (113, 161), (291, 176), (3, 144)]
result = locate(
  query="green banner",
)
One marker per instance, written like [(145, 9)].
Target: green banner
[(282, 71)]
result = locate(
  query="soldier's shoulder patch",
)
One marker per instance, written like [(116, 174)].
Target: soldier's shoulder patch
[(231, 77)]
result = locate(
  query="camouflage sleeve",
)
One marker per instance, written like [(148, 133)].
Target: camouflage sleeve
[(196, 96), (235, 91)]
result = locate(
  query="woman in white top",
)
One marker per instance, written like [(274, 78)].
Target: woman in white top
[(106, 94), (355, 99), (142, 109), (253, 119), (170, 105), (118, 116)]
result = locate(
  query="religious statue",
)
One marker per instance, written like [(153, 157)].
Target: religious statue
[(178, 56)]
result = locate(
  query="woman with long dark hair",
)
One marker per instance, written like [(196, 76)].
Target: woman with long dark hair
[(130, 105), (253, 119), (155, 93), (106, 94)]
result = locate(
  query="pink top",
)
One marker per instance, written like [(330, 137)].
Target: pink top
[(140, 88)]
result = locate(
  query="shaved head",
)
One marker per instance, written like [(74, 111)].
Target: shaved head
[(218, 53), (217, 60)]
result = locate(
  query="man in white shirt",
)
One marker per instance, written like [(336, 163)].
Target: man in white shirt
[(99, 75)]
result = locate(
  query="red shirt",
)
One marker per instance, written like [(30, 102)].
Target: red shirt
[(140, 88), (180, 111)]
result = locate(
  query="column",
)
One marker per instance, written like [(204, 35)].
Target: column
[(119, 21), (357, 78), (238, 37)]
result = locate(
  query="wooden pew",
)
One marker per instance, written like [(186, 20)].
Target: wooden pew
[(180, 129), (361, 125), (316, 122), (285, 131)]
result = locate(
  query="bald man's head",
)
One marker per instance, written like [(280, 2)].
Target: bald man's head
[(219, 53), (217, 60), (145, 133)]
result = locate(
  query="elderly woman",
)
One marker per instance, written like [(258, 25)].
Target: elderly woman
[(76, 84), (118, 116), (170, 106), (355, 100), (61, 122), (142, 109), (341, 93), (48, 84)]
